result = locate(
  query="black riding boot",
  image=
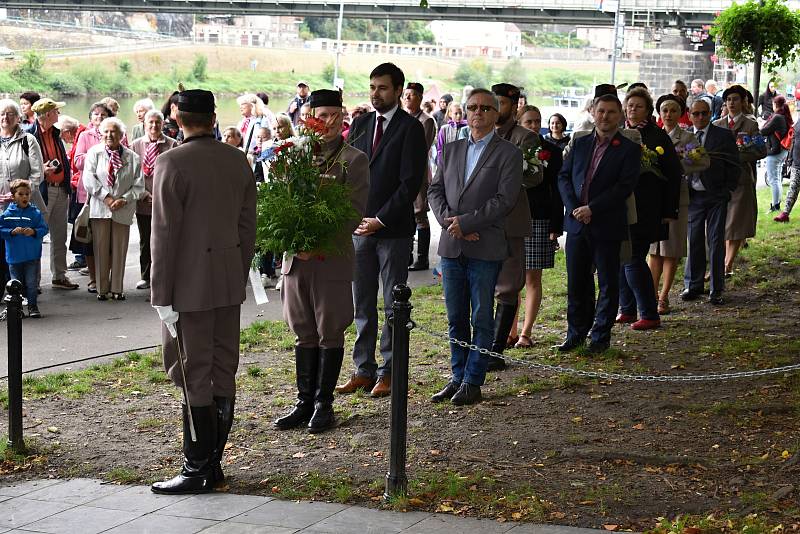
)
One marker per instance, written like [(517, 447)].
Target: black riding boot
[(329, 367), (306, 364), (224, 423), (503, 321), (423, 244), (197, 473)]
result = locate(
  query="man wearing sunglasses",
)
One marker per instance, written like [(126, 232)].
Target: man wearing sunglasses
[(709, 193), (475, 188)]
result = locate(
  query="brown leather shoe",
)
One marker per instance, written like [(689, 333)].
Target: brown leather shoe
[(355, 383), (383, 387)]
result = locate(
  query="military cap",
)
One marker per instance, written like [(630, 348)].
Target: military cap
[(735, 89), (325, 97), (196, 101)]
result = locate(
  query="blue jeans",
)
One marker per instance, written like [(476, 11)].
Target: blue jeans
[(469, 286), (636, 284), (774, 178), (27, 272)]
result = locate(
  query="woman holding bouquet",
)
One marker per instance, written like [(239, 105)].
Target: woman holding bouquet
[(657, 194), (666, 254), (317, 294)]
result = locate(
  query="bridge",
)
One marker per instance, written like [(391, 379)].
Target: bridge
[(674, 13)]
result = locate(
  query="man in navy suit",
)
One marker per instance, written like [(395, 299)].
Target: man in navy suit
[(709, 193), (394, 142), (597, 177)]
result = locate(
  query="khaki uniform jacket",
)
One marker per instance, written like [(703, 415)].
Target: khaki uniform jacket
[(204, 226), (518, 222), (353, 171)]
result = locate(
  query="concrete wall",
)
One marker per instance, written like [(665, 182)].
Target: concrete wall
[(658, 68)]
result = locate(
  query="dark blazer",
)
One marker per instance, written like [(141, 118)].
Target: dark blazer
[(544, 200), (396, 170), (723, 175), (657, 197), (483, 203), (613, 181)]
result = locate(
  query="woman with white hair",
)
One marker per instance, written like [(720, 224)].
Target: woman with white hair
[(148, 148), (255, 115), (112, 177), (140, 108)]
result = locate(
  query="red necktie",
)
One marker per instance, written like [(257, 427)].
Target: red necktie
[(245, 125), (731, 123), (378, 133), (149, 162)]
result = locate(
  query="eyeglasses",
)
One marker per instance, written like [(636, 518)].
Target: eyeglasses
[(485, 109), (699, 113)]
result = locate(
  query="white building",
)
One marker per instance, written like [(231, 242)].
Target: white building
[(258, 31), (498, 40)]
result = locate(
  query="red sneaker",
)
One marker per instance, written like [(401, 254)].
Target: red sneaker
[(625, 318), (646, 324), (783, 217)]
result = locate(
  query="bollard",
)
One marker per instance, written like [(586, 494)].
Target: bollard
[(396, 480), (13, 302)]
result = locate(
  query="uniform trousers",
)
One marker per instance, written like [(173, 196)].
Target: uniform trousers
[(512, 276), (58, 212), (110, 241), (317, 308), (421, 206), (210, 343), (707, 216)]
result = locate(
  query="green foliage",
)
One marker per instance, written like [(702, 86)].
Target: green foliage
[(400, 31), (32, 64), (200, 68), (514, 73), (554, 40), (475, 72), (126, 67), (328, 72), (767, 28)]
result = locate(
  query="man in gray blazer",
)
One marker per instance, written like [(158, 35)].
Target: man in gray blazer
[(202, 243), (475, 188)]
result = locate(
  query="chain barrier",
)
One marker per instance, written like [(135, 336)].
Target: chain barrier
[(602, 375)]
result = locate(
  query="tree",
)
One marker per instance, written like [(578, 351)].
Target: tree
[(475, 72), (200, 68), (514, 73), (759, 31)]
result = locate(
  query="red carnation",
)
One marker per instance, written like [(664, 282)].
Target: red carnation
[(544, 155), (615, 142)]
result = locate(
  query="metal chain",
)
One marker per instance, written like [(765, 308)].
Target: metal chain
[(616, 376)]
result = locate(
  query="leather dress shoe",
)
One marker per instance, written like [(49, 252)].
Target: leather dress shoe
[(447, 393), (716, 299), (383, 387), (355, 383), (419, 266), (569, 345), (495, 364), (467, 394), (646, 324), (689, 294), (625, 318), (597, 347)]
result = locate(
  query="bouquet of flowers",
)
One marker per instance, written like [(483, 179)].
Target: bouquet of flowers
[(649, 161), (533, 165), (748, 142), (302, 208), (694, 158)]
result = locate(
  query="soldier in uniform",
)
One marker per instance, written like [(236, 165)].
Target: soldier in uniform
[(412, 100), (203, 239), (317, 292), (518, 224)]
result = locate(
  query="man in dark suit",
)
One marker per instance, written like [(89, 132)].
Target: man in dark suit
[(709, 193), (394, 142), (598, 175), (476, 186)]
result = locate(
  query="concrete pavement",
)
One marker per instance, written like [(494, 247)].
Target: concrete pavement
[(89, 506)]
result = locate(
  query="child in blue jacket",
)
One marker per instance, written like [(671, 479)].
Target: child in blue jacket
[(22, 227)]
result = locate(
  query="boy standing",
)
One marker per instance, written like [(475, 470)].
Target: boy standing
[(22, 227)]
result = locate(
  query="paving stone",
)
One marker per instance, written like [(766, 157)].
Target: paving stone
[(162, 524), (450, 524), (550, 529), (20, 511), (367, 521), (4, 498), (290, 514), (76, 491), (218, 506), (17, 490), (83, 519), (137, 499), (228, 527)]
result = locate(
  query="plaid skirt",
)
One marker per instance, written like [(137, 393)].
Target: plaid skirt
[(540, 251)]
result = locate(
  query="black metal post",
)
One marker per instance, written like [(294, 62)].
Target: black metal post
[(396, 480), (13, 302)]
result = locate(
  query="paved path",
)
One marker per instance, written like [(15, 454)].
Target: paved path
[(88, 506)]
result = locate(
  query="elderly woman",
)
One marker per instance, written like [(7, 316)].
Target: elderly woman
[(86, 140), (254, 115), (657, 195), (20, 158), (666, 254), (148, 147), (69, 128), (112, 176), (283, 126), (140, 108)]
